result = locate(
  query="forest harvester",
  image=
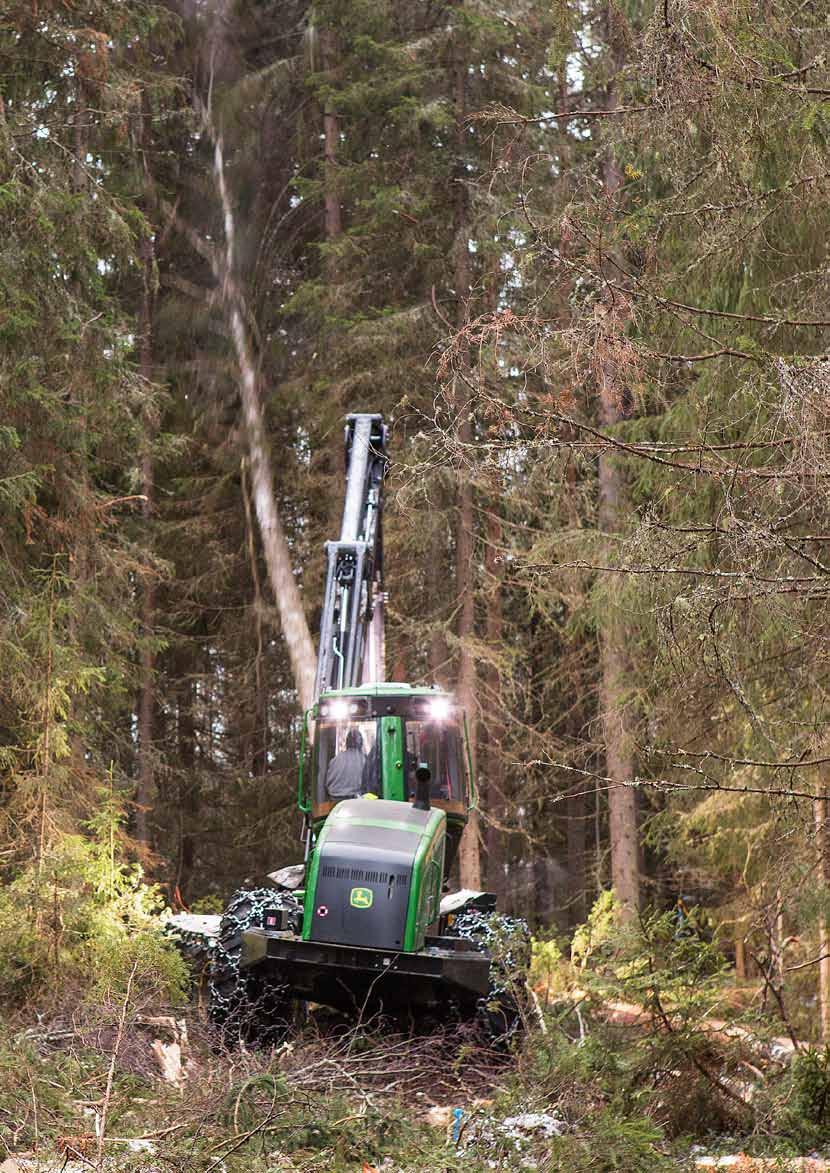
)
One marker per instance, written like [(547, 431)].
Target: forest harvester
[(367, 923)]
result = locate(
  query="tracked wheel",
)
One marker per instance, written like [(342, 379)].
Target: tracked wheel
[(503, 1012), (244, 1005)]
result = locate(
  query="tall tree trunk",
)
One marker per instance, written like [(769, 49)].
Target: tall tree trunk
[(331, 142), (438, 653), (399, 668), (145, 789), (577, 817), (615, 668), (821, 806), (188, 803), (496, 798), (82, 507), (576, 808), (274, 544), (615, 672), (740, 954), (619, 762), (331, 462), (275, 547), (469, 853), (259, 741)]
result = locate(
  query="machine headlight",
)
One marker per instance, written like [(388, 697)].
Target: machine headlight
[(438, 708)]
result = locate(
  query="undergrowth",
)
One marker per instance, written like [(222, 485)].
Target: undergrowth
[(630, 1058), (79, 922)]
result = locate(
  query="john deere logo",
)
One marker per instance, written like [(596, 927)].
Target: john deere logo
[(361, 898)]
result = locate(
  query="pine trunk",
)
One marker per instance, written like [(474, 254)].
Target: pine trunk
[(823, 854), (615, 669), (274, 544), (496, 798), (145, 789), (438, 654), (576, 815), (614, 673), (622, 799), (331, 141), (258, 749), (469, 853), (576, 808), (332, 457), (188, 780)]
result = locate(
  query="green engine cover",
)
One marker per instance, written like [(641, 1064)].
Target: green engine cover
[(375, 875)]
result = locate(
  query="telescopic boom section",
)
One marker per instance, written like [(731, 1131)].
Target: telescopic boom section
[(351, 628)]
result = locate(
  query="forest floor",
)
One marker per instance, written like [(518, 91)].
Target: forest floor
[(155, 1093)]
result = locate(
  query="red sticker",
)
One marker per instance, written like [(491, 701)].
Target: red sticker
[(322, 910)]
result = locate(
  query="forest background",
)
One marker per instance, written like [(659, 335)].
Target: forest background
[(577, 255)]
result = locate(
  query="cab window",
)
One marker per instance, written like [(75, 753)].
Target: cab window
[(346, 760), (440, 746)]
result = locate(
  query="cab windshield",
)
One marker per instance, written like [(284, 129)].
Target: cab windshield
[(347, 764), (349, 760)]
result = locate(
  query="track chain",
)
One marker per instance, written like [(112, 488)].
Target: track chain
[(195, 948), (506, 940), (245, 1004)]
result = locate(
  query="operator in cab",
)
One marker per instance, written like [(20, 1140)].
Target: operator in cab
[(344, 777)]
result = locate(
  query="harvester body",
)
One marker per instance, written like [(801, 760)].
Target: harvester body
[(384, 789)]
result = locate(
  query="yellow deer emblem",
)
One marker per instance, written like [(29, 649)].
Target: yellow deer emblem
[(361, 898)]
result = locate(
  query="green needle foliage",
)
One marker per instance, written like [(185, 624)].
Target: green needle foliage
[(82, 920)]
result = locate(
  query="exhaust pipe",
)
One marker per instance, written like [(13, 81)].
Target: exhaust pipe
[(423, 777)]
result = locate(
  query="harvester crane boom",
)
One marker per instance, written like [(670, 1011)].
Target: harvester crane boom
[(351, 650)]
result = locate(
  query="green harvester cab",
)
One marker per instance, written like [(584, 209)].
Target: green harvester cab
[(360, 790)]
